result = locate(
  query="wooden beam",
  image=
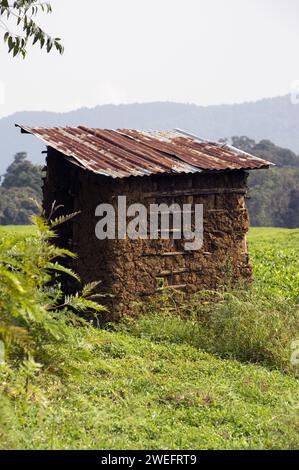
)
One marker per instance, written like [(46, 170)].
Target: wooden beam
[(196, 192), (174, 253), (175, 286), (227, 210), (170, 273), (182, 271), (160, 289)]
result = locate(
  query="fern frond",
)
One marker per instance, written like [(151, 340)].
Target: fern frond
[(40, 223), (15, 335), (56, 252), (89, 288), (8, 277), (62, 219), (54, 208), (62, 269), (80, 304), (33, 309)]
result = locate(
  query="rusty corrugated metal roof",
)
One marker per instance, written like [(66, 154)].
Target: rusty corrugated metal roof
[(125, 152)]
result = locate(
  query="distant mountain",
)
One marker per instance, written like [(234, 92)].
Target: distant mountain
[(276, 119)]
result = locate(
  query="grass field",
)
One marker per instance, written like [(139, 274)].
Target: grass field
[(152, 384), (18, 229)]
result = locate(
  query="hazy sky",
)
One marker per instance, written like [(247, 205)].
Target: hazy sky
[(121, 51)]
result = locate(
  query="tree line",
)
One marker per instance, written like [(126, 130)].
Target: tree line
[(274, 193), (20, 191)]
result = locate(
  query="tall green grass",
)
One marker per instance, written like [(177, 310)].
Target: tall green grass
[(256, 325), (154, 384)]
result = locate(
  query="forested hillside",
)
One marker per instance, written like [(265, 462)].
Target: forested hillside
[(274, 193), (275, 119)]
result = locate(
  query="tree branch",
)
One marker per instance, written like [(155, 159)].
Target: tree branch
[(24, 11)]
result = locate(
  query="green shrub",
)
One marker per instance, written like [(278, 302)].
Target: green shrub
[(33, 307), (250, 326), (253, 325)]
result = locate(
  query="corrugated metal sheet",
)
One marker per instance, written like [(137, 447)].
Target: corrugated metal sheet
[(124, 152)]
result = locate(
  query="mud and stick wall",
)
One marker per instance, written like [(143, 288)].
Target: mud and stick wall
[(131, 270)]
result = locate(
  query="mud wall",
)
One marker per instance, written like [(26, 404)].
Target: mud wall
[(131, 269)]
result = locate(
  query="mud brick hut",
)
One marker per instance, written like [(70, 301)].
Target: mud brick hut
[(87, 167)]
